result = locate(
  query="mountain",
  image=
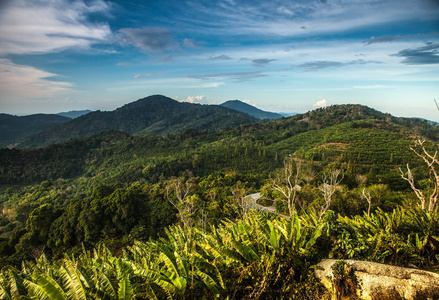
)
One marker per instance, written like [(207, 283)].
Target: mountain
[(116, 189), (286, 115), (73, 114), (340, 134), (14, 128), (251, 110), (154, 114)]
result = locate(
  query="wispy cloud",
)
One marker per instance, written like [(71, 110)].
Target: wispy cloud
[(428, 54), (190, 43), (290, 18), (148, 39), (391, 38), (221, 57), (372, 87), (235, 76), (317, 65), (15, 77), (146, 75), (262, 62), (28, 26)]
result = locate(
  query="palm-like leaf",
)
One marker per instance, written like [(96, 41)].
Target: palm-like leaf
[(44, 287), (125, 290), (74, 281)]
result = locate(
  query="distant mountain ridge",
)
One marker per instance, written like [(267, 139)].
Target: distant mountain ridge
[(161, 115), (13, 128), (341, 133), (73, 114), (154, 114), (251, 110)]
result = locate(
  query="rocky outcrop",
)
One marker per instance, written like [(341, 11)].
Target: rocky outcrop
[(352, 279)]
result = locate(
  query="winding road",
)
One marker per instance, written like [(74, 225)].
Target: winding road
[(254, 202)]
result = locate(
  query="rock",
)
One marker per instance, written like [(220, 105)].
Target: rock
[(352, 279)]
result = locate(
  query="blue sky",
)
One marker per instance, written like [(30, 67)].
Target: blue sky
[(282, 56)]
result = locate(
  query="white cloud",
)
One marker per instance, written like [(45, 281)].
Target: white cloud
[(29, 26), (321, 103), (19, 81), (195, 99)]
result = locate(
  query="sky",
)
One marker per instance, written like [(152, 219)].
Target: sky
[(278, 55)]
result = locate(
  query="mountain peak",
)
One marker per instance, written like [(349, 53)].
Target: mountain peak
[(251, 110), (156, 114)]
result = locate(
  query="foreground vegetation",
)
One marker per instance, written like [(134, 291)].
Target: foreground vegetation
[(260, 256), (116, 216)]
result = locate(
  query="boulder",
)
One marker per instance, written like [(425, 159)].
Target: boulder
[(350, 279)]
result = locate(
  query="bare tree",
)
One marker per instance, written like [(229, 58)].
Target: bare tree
[(309, 175), (378, 191), (287, 181), (432, 161), (360, 179), (366, 195), (182, 201), (241, 202), (330, 183)]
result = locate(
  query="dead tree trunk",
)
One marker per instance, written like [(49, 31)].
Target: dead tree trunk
[(287, 182), (368, 197), (182, 201), (432, 161), (328, 188)]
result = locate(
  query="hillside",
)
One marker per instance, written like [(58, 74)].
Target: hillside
[(74, 113), (14, 128), (116, 188), (251, 110), (337, 134), (154, 114)]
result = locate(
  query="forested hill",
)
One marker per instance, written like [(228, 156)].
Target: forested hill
[(74, 113), (251, 110), (338, 114), (339, 133), (13, 128), (154, 114), (114, 186)]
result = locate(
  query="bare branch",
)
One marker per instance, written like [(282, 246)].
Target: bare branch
[(368, 197), (287, 182), (410, 179), (431, 161), (241, 202), (328, 188), (182, 202)]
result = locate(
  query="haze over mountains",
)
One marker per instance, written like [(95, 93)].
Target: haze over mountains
[(14, 128), (251, 110), (155, 114), (341, 133), (74, 113)]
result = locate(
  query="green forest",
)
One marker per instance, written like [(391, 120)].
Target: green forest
[(118, 215)]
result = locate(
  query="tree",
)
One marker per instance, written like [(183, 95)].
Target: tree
[(366, 195), (432, 161), (330, 183), (241, 202), (287, 181), (184, 203)]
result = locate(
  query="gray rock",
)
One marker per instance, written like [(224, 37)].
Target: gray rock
[(374, 281)]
